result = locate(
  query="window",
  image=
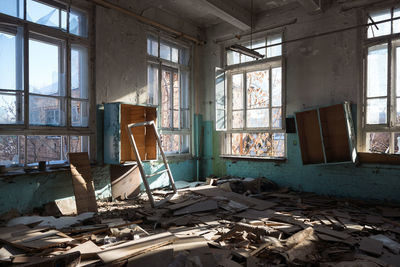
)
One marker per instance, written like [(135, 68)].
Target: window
[(249, 104), (44, 112), (168, 87), (380, 109)]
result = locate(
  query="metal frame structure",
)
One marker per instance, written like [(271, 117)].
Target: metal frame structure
[(140, 164)]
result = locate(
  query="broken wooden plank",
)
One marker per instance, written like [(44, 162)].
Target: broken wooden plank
[(198, 207), (184, 204), (82, 182), (157, 258), (327, 231), (371, 246), (136, 247), (87, 249), (67, 260)]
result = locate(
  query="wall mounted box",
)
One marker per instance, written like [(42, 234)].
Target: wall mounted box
[(117, 146), (326, 135)]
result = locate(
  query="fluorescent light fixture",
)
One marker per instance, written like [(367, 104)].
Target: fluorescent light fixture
[(245, 51)]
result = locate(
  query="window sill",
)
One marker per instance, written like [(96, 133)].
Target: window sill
[(235, 158), (21, 171), (378, 158)]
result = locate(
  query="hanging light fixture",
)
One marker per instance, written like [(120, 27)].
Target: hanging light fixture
[(244, 50)]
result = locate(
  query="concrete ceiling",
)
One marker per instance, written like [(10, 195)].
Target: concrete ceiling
[(206, 13)]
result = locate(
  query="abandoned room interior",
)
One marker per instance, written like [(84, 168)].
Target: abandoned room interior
[(200, 133)]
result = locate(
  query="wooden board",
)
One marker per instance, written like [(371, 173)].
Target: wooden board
[(309, 137), (136, 247), (82, 182), (376, 158), (334, 132), (125, 181)]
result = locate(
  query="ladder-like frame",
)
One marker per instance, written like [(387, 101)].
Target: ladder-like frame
[(139, 160)]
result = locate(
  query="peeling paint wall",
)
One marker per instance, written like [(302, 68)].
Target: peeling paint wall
[(320, 71)]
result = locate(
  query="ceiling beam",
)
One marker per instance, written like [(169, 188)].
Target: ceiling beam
[(312, 6), (230, 12)]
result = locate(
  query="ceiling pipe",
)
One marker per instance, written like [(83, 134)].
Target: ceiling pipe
[(148, 21)]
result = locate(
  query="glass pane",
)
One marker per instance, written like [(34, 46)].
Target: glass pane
[(46, 111), (175, 55), (78, 144), (257, 118), (277, 118), (78, 23), (46, 148), (237, 119), (277, 87), (152, 84), (220, 117), (165, 99), (44, 68), (258, 89), (377, 71), (79, 72), (398, 110), (257, 44), (184, 56), (396, 23), (396, 143), (12, 7), (220, 100), (11, 108), (378, 142), (12, 150), (152, 47), (170, 143), (64, 19), (176, 101), (275, 50), (278, 145), (8, 73), (185, 119), (383, 28), (42, 13), (165, 51), (185, 143), (376, 111), (397, 78), (232, 58), (79, 113), (258, 144), (237, 91)]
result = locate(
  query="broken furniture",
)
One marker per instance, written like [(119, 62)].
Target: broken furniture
[(152, 127), (82, 182), (117, 148), (326, 135)]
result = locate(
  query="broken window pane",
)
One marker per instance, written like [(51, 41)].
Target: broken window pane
[(237, 119), (377, 71), (46, 148), (44, 68), (78, 144), (277, 87), (79, 72), (11, 108), (166, 99), (78, 22), (12, 150), (42, 14), (13, 8), (378, 142), (152, 84), (46, 111), (257, 118), (276, 50), (258, 144), (258, 89), (383, 28), (176, 101), (376, 111), (237, 91), (79, 113)]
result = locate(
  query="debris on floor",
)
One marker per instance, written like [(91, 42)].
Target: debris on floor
[(246, 222)]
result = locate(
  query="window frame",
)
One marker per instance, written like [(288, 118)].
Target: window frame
[(268, 63), (392, 41), (31, 30), (179, 67)]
